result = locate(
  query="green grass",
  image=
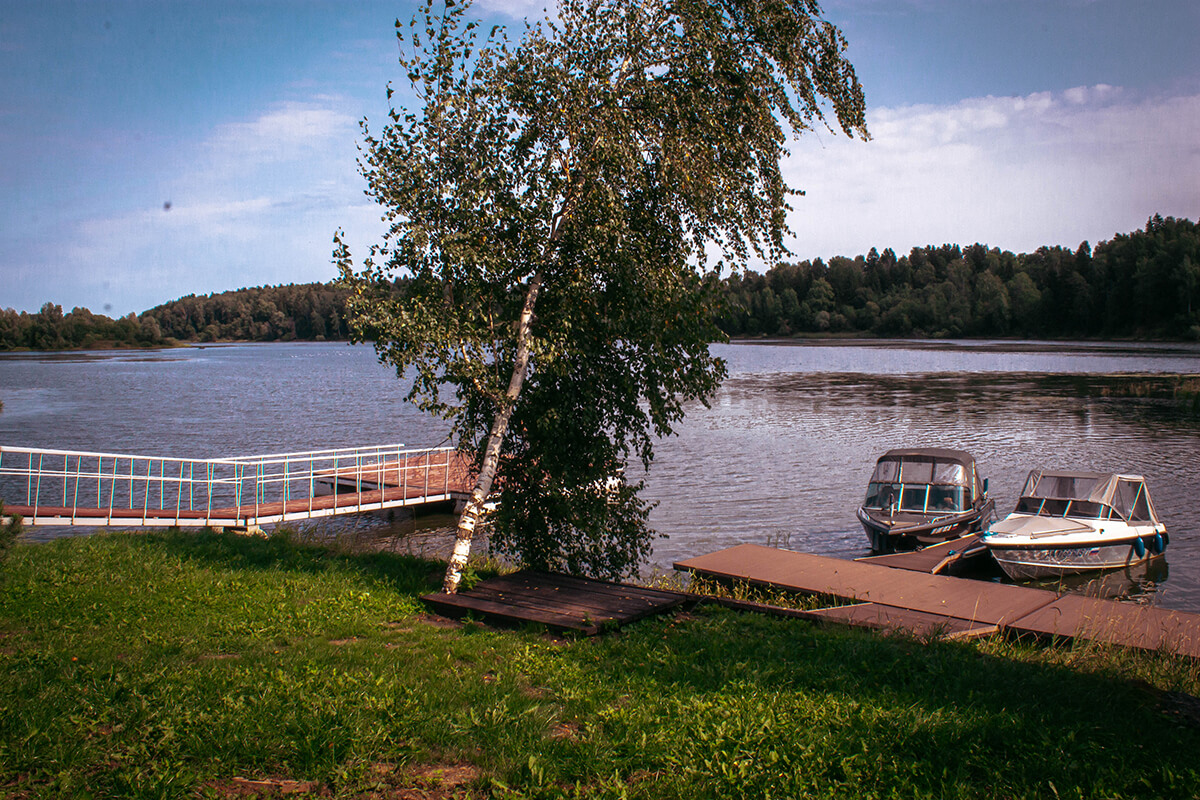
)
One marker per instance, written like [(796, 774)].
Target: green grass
[(169, 665)]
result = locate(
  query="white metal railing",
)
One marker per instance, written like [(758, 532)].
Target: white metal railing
[(63, 487)]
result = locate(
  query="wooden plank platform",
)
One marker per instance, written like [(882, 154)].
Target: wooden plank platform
[(909, 600), (974, 601), (450, 470), (874, 615), (934, 559), (248, 513), (1074, 616), (562, 603)]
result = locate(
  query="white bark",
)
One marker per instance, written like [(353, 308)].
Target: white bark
[(491, 457)]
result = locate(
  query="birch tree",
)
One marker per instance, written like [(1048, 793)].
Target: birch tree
[(560, 208)]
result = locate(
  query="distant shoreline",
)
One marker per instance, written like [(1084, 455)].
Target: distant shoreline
[(848, 339)]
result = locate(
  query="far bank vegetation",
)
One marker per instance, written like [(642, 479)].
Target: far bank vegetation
[(1144, 284)]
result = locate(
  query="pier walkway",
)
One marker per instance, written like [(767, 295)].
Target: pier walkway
[(899, 598), (59, 487)]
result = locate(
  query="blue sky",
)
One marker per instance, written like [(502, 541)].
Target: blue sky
[(153, 149)]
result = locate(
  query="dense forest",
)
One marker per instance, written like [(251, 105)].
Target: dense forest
[(1141, 284), (309, 311), (80, 329), (312, 311)]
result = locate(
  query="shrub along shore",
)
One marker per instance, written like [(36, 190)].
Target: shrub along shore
[(204, 665)]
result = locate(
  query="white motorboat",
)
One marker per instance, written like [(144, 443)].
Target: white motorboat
[(1072, 522)]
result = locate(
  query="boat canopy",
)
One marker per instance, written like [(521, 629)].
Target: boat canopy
[(1127, 494), (928, 465)]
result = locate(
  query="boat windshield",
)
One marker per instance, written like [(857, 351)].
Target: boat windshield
[(1062, 486), (920, 498), (921, 471), (1051, 507)]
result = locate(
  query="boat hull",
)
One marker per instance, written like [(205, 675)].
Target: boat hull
[(889, 535), (1032, 563)]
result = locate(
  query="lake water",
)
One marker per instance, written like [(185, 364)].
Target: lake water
[(782, 456)]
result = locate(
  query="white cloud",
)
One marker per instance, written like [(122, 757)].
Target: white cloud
[(520, 10), (287, 132), (256, 202), (1011, 172)]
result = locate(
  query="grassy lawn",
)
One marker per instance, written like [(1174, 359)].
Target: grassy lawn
[(202, 665)]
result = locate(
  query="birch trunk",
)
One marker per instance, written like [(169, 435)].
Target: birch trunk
[(491, 457)]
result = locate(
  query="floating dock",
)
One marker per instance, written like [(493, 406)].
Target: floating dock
[(907, 599), (562, 603)]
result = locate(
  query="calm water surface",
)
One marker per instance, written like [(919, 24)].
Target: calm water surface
[(782, 456)]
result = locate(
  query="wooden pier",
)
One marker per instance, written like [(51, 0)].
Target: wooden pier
[(562, 603), (49, 487), (906, 599)]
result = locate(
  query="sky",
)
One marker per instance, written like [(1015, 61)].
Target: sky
[(150, 150)]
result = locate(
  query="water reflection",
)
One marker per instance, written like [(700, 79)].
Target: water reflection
[(786, 456), (783, 455), (1137, 584)]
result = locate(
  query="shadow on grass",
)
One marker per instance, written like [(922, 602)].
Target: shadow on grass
[(284, 552), (903, 712)]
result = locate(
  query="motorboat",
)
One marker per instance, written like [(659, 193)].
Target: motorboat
[(1074, 522), (922, 496)]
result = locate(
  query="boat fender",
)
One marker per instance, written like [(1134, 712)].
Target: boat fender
[(1159, 545), (1139, 547)]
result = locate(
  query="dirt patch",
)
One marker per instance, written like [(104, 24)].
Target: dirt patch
[(267, 787), (535, 692), (343, 642), (423, 781), (567, 730), (446, 775), (439, 622)]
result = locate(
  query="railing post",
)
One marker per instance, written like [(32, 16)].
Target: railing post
[(75, 497), (37, 497)]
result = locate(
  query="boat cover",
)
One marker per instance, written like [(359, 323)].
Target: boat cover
[(929, 465), (1128, 494)]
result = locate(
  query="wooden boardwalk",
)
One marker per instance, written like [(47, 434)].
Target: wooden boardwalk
[(888, 597), (562, 603), (162, 499), (944, 558)]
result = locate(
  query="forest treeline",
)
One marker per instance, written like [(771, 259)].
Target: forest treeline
[(1141, 284), (308, 311), (311, 311)]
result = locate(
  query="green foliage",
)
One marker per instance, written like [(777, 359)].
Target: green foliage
[(50, 329), (587, 169), (313, 312), (310, 311), (9, 531), (1146, 283)]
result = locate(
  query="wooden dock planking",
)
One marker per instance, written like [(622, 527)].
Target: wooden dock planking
[(909, 600), (1126, 624), (560, 602), (454, 473), (874, 615), (933, 559), (976, 601), (248, 512)]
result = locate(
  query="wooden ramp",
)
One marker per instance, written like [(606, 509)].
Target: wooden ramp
[(908, 600), (560, 602), (935, 559)]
